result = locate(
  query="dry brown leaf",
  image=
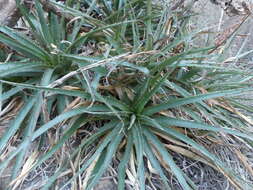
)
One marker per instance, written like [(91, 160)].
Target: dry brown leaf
[(235, 111), (88, 173), (132, 172), (71, 88), (190, 154), (244, 161), (172, 140), (25, 170), (119, 91)]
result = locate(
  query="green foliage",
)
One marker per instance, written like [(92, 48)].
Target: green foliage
[(134, 86)]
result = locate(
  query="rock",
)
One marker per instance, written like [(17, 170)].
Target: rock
[(9, 15), (235, 7)]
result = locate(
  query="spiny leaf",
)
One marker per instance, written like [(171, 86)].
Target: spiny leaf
[(194, 99)]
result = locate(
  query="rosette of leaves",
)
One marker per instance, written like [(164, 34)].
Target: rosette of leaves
[(141, 93)]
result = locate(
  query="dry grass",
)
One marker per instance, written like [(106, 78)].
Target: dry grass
[(233, 151)]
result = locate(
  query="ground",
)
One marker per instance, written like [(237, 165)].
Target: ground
[(214, 19)]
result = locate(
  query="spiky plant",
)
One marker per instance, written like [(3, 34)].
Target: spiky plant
[(133, 79)]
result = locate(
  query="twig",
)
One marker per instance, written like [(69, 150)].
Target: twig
[(99, 63)]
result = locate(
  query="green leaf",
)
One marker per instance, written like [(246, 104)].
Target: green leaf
[(10, 93), (119, 4), (19, 67), (57, 30), (117, 103), (82, 59), (138, 144), (171, 132), (32, 123), (20, 43), (155, 163), (154, 84), (76, 93), (95, 110), (167, 158), (167, 62), (82, 39), (16, 124), (85, 143), (43, 22), (67, 134), (124, 161), (111, 149), (100, 98), (107, 6), (168, 121), (193, 99), (99, 150), (35, 113), (134, 66)]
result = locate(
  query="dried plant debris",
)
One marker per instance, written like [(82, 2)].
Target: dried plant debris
[(125, 102), (235, 7)]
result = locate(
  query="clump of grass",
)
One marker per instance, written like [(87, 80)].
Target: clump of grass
[(133, 79)]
